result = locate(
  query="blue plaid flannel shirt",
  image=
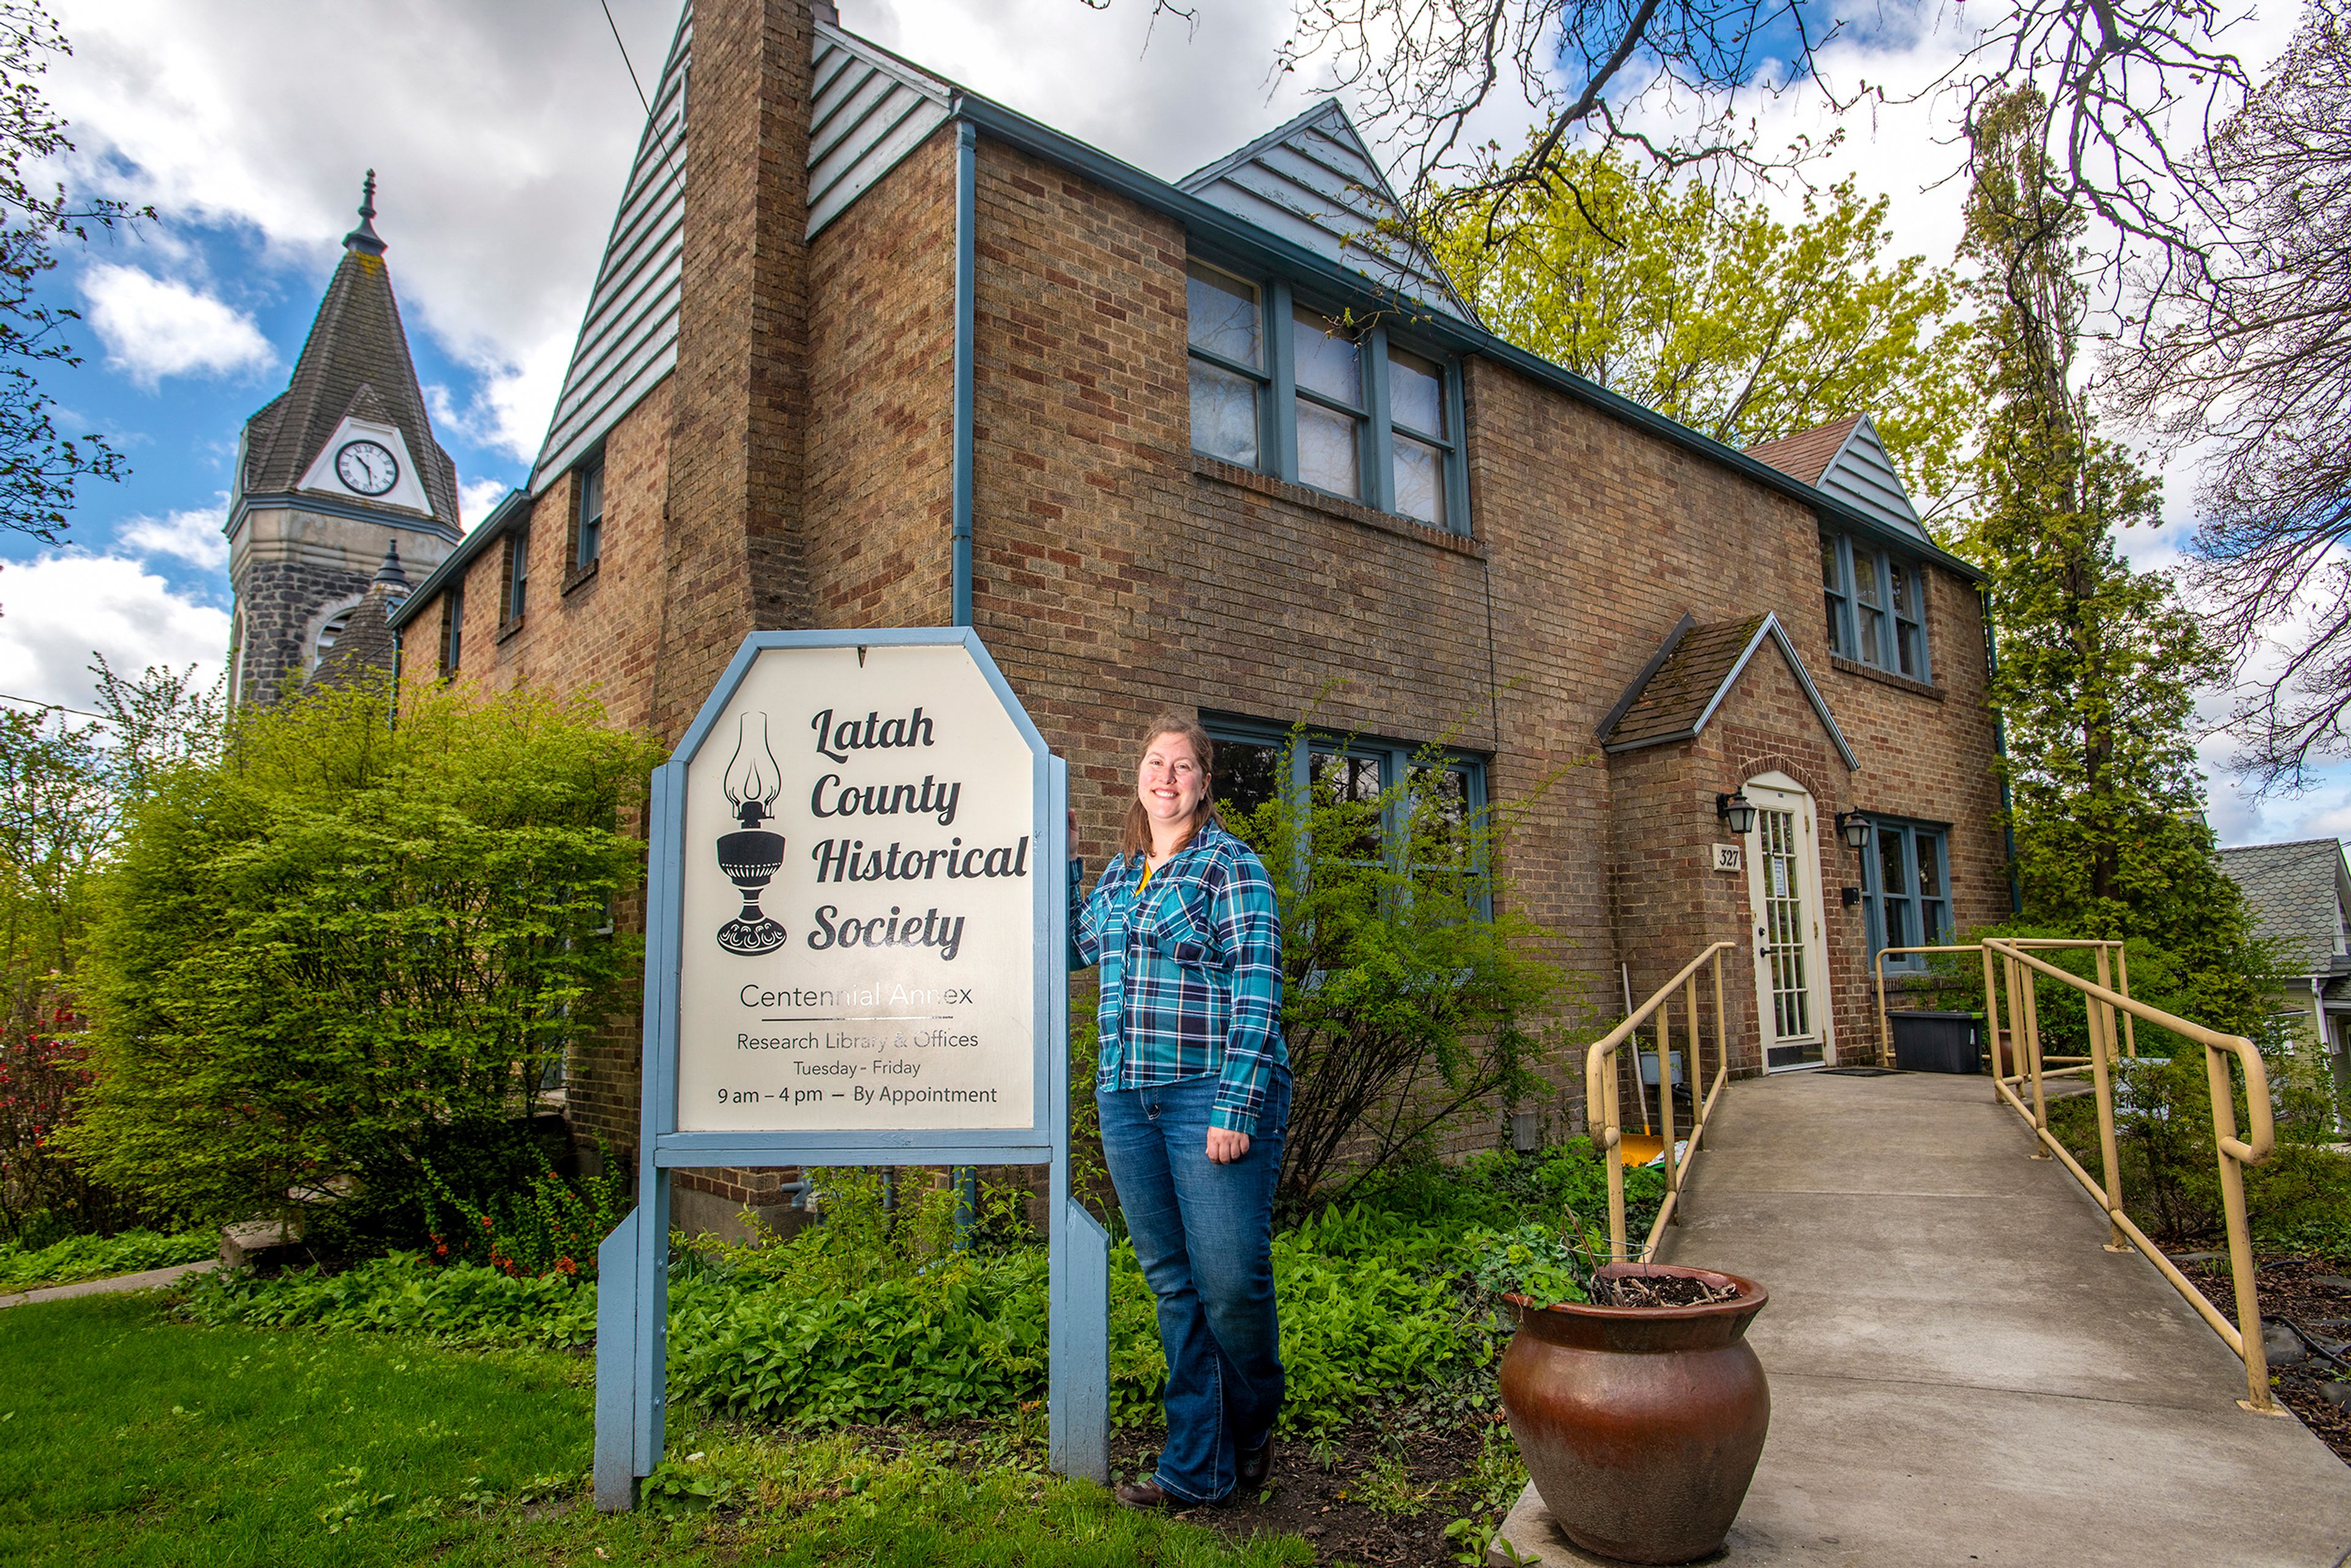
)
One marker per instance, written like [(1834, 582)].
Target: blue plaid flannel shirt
[(1191, 973)]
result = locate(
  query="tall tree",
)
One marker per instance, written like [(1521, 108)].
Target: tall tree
[(2254, 366), (1704, 306), (38, 468), (1681, 83), (2098, 663)]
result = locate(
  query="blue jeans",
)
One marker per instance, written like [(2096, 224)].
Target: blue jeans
[(1204, 1235)]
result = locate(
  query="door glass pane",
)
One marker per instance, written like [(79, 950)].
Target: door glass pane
[(1328, 363), (1776, 842), (1224, 414), (1224, 314), (1937, 921), (1898, 925), (1416, 393), (1328, 454), (1419, 480)]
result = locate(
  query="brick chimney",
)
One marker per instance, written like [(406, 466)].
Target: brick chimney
[(738, 411)]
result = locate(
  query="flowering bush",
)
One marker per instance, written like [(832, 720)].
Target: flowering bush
[(551, 1226)]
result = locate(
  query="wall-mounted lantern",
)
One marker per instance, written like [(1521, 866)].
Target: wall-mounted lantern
[(1854, 829), (1735, 810)]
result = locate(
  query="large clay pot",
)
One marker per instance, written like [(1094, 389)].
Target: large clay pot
[(1640, 1426)]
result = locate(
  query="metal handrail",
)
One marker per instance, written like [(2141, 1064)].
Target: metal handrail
[(1991, 1047), (1605, 1112), (2234, 1153)]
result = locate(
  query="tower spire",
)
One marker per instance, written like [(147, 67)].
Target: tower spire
[(364, 238)]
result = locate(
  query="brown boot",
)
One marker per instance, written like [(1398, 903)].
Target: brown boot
[(1147, 1495)]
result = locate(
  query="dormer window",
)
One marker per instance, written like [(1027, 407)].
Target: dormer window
[(1323, 398), (1875, 604)]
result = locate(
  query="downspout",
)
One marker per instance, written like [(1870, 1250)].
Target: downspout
[(966, 202), (1999, 750), (966, 1177)]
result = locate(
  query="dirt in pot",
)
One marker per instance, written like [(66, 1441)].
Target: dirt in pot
[(1657, 1290)]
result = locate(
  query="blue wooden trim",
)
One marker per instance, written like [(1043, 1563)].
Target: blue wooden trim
[(920, 1147), (1456, 458), (965, 280), (616, 1383), (1379, 485), (1077, 1400), (1281, 402)]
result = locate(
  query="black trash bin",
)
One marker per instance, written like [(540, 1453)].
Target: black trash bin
[(1934, 1042)]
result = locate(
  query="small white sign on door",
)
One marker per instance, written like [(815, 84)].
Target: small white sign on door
[(1727, 857)]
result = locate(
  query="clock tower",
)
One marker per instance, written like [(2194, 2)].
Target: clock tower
[(336, 474)]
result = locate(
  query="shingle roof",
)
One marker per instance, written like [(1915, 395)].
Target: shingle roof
[(2301, 892), (1807, 453), (1687, 677), (354, 362), (1847, 459)]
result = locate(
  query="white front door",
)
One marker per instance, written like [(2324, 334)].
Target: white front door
[(1784, 892)]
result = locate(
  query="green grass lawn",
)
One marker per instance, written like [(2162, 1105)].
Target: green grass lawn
[(127, 1437)]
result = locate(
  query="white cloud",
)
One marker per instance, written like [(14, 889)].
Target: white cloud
[(477, 496), (60, 613), (194, 536), (156, 326)]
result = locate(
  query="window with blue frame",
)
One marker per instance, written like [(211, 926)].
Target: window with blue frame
[(1876, 601), (1446, 793), (1286, 387), (1905, 889)]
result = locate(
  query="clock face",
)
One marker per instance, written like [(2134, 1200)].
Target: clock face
[(367, 467)]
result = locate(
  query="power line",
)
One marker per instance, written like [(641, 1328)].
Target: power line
[(61, 707), (624, 57)]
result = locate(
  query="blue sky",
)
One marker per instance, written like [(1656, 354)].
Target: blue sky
[(501, 134)]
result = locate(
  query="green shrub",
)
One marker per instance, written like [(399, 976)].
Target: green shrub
[(345, 958), (97, 1257), (553, 1226)]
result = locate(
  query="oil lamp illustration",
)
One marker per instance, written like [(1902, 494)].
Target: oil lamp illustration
[(751, 855)]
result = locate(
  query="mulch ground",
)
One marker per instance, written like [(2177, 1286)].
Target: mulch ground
[(2289, 1289), (1361, 1496)]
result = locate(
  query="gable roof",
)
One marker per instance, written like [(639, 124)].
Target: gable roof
[(1686, 679), (2302, 893), (354, 363), (628, 338), (870, 110), (1847, 458), (1315, 183)]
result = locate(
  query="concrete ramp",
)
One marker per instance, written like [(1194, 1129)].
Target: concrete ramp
[(1959, 1372)]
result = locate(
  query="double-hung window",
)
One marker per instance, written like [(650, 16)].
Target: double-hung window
[(1430, 826), (1229, 372), (1876, 605), (588, 514), (1323, 399), (517, 575), (452, 628), (1906, 878)]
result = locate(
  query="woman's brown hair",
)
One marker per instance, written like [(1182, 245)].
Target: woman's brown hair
[(1134, 839)]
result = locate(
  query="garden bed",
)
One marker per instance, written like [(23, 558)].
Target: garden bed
[(2287, 1289)]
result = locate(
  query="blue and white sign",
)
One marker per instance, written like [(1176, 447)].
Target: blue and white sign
[(857, 938)]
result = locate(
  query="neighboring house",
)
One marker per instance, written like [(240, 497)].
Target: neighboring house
[(2302, 891), (866, 349)]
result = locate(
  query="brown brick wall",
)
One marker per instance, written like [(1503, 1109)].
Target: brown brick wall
[(796, 469)]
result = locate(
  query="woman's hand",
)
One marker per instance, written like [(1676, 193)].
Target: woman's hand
[(1224, 1145)]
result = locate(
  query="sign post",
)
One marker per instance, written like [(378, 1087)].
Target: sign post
[(856, 953)]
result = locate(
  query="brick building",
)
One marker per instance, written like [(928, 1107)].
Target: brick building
[(867, 349)]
